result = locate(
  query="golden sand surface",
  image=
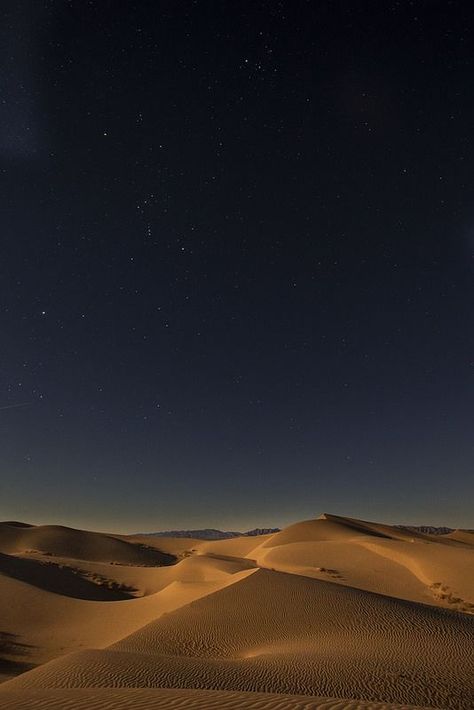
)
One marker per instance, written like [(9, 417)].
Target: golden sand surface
[(328, 613)]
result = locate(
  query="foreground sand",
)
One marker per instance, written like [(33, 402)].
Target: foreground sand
[(366, 614), (159, 699)]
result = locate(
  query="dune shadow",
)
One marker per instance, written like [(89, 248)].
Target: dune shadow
[(61, 579), (10, 646), (152, 557)]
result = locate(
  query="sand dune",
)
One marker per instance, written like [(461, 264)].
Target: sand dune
[(46, 624), (464, 536), (165, 698), (59, 577), (328, 608), (77, 544), (176, 546), (289, 634), (430, 569)]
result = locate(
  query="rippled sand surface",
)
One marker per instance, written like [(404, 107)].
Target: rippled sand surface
[(330, 613)]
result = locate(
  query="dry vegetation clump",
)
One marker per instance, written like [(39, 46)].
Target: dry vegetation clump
[(442, 591), (111, 584)]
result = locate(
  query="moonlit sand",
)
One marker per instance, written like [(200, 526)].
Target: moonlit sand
[(328, 613)]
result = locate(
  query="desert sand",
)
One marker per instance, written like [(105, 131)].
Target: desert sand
[(328, 613)]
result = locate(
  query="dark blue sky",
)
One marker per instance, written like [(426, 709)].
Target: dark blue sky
[(237, 262)]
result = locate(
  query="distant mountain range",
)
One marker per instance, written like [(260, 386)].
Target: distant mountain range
[(212, 534)]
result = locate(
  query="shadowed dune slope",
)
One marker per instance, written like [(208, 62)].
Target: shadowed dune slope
[(58, 579), (467, 538), (179, 699), (177, 546), (275, 632)]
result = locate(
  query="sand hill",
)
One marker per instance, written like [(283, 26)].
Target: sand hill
[(327, 613)]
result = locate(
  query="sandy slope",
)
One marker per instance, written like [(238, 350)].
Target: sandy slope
[(54, 589), (165, 698), (41, 625), (56, 540), (430, 569), (171, 545), (467, 538), (276, 632), (308, 623)]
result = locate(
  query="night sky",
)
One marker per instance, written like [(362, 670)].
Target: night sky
[(236, 262)]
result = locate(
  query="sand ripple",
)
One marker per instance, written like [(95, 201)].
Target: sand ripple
[(274, 632), (177, 699)]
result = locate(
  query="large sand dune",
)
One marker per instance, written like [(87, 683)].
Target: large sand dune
[(366, 614), (77, 544)]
